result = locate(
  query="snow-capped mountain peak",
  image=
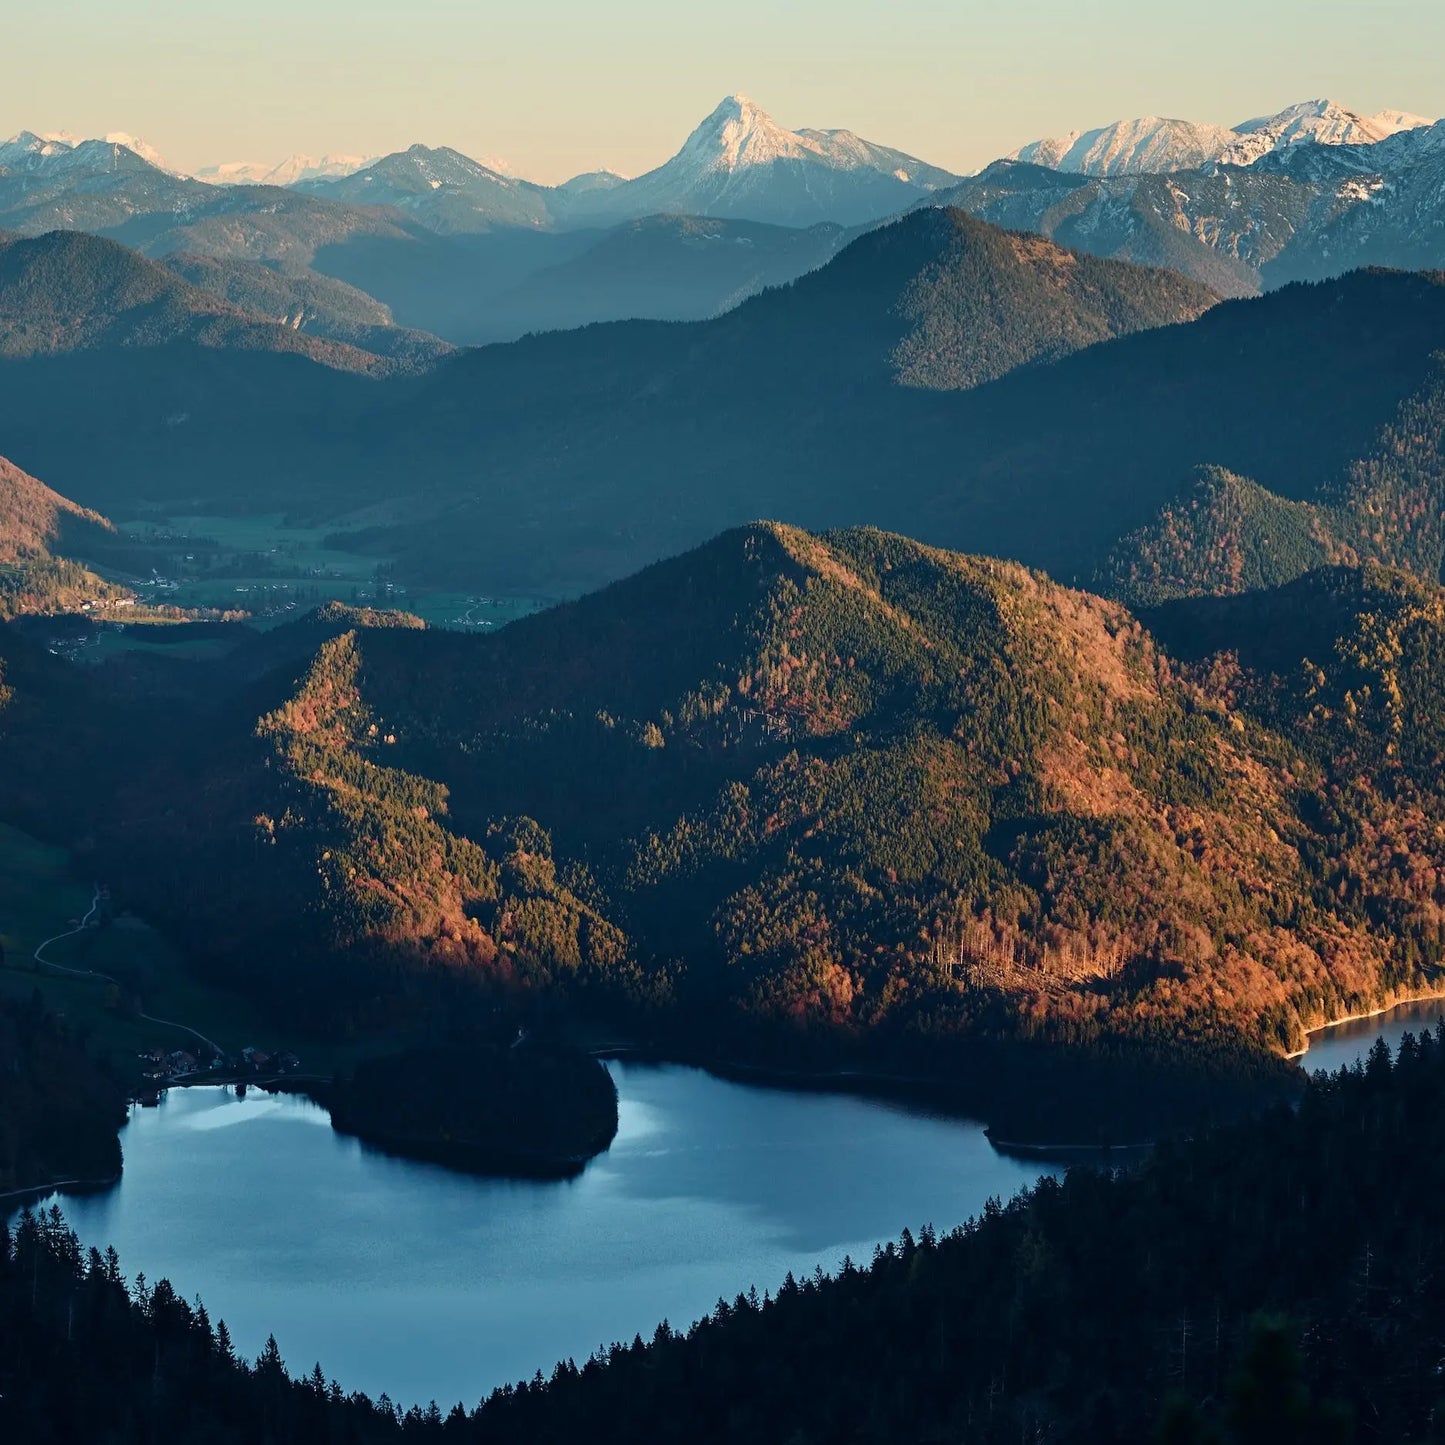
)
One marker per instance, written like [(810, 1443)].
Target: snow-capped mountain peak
[(1330, 123), (740, 162), (146, 152), (737, 134), (1155, 145), (1146, 143), (30, 146), (59, 146)]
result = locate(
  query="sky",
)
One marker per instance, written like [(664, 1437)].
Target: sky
[(556, 87)]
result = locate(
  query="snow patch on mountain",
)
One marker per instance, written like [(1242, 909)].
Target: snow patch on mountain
[(31, 148), (1153, 145), (1147, 143), (1327, 123), (283, 173)]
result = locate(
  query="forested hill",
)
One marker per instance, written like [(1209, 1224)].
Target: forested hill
[(1278, 1282), (1235, 449), (935, 299), (33, 519), (609, 446), (67, 291), (827, 799), (41, 533)]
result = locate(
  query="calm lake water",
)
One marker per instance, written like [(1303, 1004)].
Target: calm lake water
[(407, 1278), (1332, 1048)]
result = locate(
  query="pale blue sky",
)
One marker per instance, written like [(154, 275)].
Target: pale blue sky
[(560, 86)]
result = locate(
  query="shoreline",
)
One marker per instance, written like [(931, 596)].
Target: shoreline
[(933, 1094), (1436, 997), (56, 1186)]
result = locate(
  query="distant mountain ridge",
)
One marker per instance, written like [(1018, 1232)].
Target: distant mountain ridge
[(441, 187), (937, 376), (28, 148), (739, 164), (282, 173), (452, 245), (68, 291), (1154, 145), (1305, 211)]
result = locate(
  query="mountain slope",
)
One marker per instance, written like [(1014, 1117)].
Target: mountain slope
[(846, 796), (33, 518), (40, 533), (68, 291), (310, 304)]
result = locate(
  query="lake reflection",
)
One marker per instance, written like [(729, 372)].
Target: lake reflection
[(408, 1278)]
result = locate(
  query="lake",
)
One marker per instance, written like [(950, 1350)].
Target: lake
[(411, 1279), (408, 1278), (1340, 1045)]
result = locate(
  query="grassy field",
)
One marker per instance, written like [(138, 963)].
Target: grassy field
[(39, 898), (135, 639)]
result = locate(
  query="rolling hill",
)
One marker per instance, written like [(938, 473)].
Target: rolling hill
[(843, 399), (309, 303), (68, 291)]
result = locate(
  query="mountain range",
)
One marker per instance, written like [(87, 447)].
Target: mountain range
[(465, 250), (1152, 145), (718, 415), (937, 376), (289, 172), (1305, 212), (738, 164)]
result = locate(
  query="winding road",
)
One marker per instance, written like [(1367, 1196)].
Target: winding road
[(85, 923)]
